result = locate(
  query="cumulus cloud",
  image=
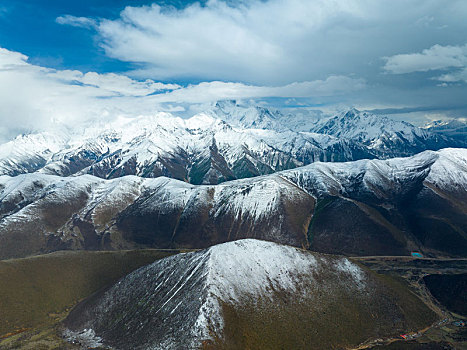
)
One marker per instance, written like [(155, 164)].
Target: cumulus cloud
[(112, 83), (33, 97), (11, 60), (325, 52), (435, 58), (275, 41)]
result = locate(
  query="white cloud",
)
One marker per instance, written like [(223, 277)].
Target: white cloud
[(435, 58), (217, 90), (113, 83), (33, 97), (259, 42), (74, 21), (456, 76), (274, 41), (317, 51), (11, 59)]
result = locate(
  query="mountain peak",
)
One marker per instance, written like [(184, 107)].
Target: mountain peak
[(226, 104), (445, 124), (352, 112), (188, 300), (163, 144), (376, 131)]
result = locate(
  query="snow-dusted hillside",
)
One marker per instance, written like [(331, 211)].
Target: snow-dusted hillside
[(28, 153), (361, 207), (224, 143), (189, 301), (366, 127), (387, 137), (453, 128)]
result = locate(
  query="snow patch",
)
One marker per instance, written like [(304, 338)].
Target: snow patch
[(353, 270), (86, 338)]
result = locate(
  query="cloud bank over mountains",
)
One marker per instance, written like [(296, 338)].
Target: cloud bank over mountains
[(38, 97), (386, 55), (436, 58)]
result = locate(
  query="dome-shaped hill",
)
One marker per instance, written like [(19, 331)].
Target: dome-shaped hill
[(247, 294)]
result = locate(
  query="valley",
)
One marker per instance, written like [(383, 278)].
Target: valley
[(50, 300), (36, 293), (442, 334)]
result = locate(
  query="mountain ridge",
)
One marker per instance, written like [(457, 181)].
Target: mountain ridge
[(192, 300), (379, 207), (224, 143)]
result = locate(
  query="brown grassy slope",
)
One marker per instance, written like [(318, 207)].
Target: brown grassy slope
[(32, 289), (324, 320)]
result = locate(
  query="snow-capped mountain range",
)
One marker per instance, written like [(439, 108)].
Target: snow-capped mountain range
[(225, 142), (235, 172), (365, 207), (453, 128)]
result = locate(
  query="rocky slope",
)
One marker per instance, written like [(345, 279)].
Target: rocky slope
[(380, 135), (388, 138), (224, 143), (367, 207), (246, 294), (454, 128)]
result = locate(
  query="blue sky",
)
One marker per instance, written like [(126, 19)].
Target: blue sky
[(71, 61), (30, 27)]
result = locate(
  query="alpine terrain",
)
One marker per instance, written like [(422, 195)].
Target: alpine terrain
[(226, 142), (233, 175), (366, 207), (246, 294), (264, 231)]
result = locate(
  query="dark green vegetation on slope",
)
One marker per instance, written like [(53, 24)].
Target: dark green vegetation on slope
[(320, 206), (32, 289), (449, 290), (329, 322), (444, 335), (242, 330), (429, 220), (329, 303)]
